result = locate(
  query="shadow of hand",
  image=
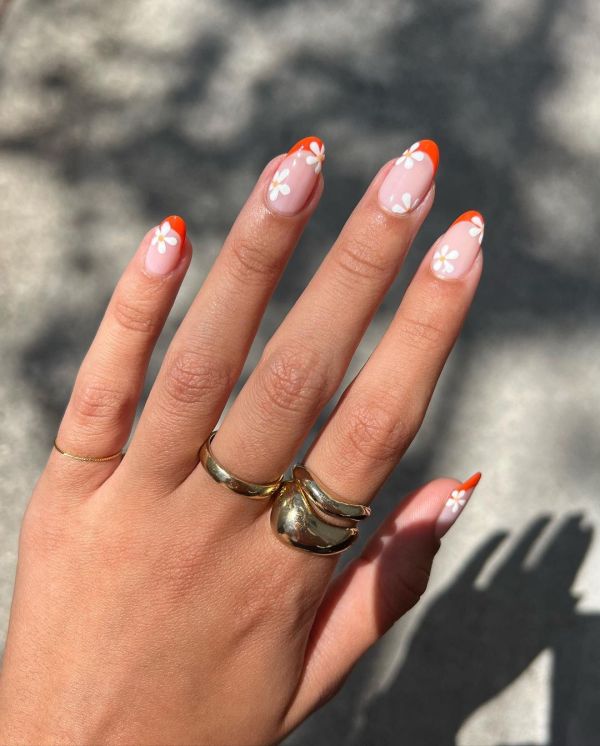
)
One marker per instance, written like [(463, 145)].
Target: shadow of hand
[(474, 641)]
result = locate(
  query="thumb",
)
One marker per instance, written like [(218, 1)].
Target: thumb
[(377, 588)]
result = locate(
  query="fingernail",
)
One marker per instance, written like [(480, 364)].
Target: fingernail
[(455, 252), (294, 181), (410, 178), (164, 249), (459, 497)]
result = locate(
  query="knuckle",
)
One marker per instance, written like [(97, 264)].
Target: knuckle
[(251, 259), (292, 380), (195, 377), (376, 432), (97, 400), (360, 258), (419, 334), (134, 317)]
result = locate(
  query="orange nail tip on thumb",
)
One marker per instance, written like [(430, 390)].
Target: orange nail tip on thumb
[(471, 482), (454, 504)]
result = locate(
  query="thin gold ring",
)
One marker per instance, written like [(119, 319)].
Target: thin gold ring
[(96, 459), (321, 497), (221, 475)]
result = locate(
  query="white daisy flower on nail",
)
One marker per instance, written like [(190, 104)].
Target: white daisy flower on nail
[(164, 236), (278, 186), (406, 203), (411, 155), (457, 500), (443, 258), (476, 228), (316, 156)]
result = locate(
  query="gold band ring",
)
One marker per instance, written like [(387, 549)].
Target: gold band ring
[(220, 474), (299, 516), (323, 500), (296, 524), (97, 459)]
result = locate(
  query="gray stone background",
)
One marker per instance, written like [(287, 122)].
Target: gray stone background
[(114, 114)]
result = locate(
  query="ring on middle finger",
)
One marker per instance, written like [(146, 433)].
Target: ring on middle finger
[(324, 501), (295, 523), (304, 515)]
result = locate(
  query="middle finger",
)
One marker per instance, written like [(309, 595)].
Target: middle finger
[(304, 362)]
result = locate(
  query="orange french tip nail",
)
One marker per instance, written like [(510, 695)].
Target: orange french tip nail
[(305, 143), (430, 147), (178, 225), (471, 482), (466, 216)]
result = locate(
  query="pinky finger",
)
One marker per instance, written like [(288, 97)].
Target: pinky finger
[(100, 413), (377, 588)]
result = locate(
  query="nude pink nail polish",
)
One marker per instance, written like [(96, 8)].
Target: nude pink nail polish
[(454, 253), (165, 247), (295, 178), (410, 178), (455, 503)]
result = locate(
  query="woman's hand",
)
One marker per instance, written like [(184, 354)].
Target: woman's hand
[(152, 605)]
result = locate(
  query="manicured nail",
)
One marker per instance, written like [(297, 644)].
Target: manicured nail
[(410, 178), (455, 504), (455, 252), (164, 250), (295, 179)]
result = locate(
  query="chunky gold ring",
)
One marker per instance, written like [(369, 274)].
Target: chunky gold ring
[(324, 501), (220, 474), (97, 459), (296, 524)]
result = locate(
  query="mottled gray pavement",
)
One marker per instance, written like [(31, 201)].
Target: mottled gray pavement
[(114, 114)]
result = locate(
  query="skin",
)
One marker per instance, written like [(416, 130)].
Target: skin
[(153, 606)]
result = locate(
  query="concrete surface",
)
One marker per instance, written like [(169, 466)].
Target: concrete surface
[(115, 114)]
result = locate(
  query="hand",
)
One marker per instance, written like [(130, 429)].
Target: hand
[(153, 605)]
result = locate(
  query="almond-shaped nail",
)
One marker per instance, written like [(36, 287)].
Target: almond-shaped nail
[(410, 178), (295, 178), (165, 247), (455, 503), (455, 252)]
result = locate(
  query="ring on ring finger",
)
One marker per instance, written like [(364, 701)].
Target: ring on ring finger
[(240, 486)]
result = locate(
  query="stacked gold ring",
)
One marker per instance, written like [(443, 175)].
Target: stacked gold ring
[(306, 516), (319, 496)]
